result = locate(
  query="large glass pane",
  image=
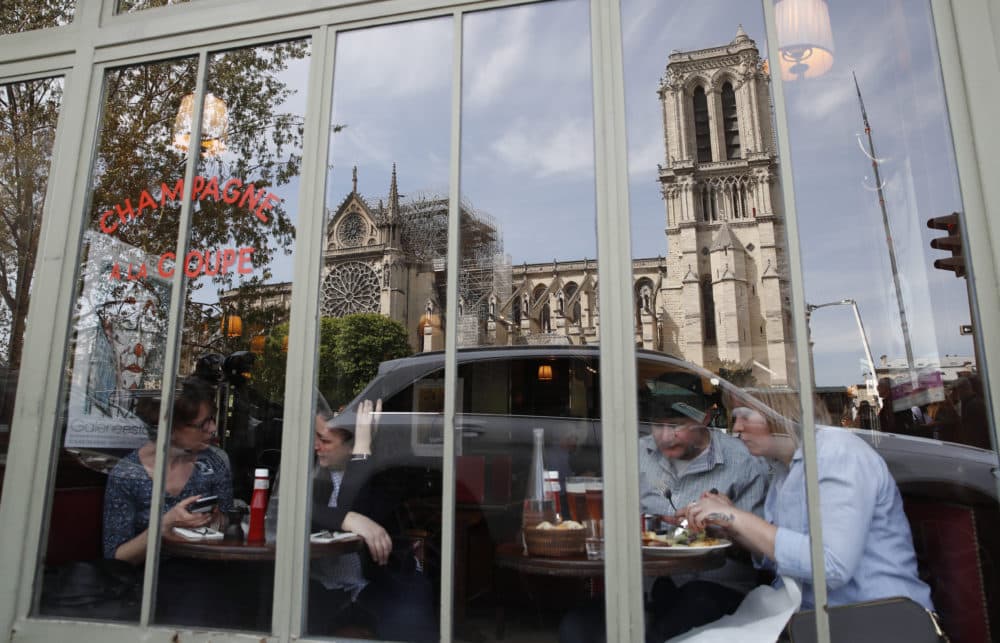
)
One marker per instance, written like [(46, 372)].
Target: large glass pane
[(382, 299), (115, 358), (223, 423), (711, 310), (895, 357), (528, 298), (16, 17), (28, 114)]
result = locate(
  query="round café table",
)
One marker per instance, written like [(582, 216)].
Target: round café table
[(511, 556), (181, 547), (250, 566)]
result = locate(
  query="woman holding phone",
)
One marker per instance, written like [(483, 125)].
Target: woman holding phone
[(194, 469)]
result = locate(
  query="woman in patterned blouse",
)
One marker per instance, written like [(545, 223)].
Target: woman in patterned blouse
[(195, 468)]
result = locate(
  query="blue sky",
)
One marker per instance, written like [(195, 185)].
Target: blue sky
[(527, 146)]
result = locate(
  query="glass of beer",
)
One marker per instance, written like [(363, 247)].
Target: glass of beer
[(576, 494), (594, 492)]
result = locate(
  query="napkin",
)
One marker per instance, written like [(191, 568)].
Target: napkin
[(761, 616), (203, 533), (323, 537)]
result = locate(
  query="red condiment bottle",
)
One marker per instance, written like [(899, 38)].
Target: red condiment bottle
[(258, 507)]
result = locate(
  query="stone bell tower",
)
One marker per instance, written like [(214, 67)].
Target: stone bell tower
[(727, 283)]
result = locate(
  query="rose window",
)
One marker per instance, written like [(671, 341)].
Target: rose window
[(350, 287)]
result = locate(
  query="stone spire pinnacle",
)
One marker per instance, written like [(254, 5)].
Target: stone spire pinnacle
[(393, 193), (354, 180), (741, 34)]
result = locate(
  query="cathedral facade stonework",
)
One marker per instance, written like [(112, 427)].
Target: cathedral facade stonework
[(718, 296)]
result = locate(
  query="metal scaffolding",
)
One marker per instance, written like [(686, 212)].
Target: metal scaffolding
[(424, 239)]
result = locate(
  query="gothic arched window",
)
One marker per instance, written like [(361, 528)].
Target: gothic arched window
[(730, 122), (702, 135), (708, 310)]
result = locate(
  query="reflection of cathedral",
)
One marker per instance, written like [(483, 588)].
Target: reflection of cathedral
[(718, 297)]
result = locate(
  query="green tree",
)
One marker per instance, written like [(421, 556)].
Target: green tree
[(350, 351), (28, 114)]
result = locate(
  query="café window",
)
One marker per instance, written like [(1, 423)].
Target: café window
[(224, 423), (28, 115), (442, 216)]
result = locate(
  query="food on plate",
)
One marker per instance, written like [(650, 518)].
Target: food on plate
[(545, 524), (679, 538)]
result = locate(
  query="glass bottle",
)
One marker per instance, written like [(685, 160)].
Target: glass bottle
[(258, 505), (553, 491), (536, 506), (271, 515)]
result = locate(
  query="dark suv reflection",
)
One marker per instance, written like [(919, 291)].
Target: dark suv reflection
[(506, 392)]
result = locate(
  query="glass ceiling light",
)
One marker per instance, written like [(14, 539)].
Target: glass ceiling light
[(805, 41), (214, 125)]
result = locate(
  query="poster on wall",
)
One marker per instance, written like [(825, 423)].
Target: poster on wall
[(118, 356)]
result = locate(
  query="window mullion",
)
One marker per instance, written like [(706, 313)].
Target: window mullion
[(451, 339), (803, 356), (622, 565), (296, 454), (172, 354)]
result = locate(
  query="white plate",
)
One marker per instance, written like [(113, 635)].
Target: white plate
[(677, 551)]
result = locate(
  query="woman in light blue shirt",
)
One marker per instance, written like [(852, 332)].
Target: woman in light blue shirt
[(867, 546)]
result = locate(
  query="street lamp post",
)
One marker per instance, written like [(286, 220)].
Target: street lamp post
[(870, 383)]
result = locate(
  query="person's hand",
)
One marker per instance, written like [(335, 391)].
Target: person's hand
[(719, 496), (179, 516), (366, 424), (710, 509), (378, 540)]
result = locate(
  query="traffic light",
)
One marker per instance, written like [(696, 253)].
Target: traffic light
[(952, 243)]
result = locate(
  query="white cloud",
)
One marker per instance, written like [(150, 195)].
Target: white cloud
[(393, 61), (643, 156), (497, 69), (546, 151)]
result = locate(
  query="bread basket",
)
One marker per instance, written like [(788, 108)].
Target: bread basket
[(554, 542)]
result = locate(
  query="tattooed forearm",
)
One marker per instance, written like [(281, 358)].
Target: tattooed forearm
[(720, 517)]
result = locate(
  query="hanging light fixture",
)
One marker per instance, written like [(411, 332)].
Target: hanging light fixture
[(214, 125), (545, 372), (257, 343), (805, 40), (231, 326)]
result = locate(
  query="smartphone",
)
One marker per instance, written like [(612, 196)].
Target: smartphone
[(203, 504)]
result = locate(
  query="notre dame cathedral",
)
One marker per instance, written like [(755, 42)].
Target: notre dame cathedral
[(717, 297)]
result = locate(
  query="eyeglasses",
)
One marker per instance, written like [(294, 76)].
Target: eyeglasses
[(670, 426), (204, 424)]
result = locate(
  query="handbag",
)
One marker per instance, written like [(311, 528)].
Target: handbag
[(879, 621)]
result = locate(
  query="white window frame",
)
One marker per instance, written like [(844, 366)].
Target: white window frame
[(967, 33)]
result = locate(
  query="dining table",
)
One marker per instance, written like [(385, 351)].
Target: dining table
[(240, 550), (511, 558), (659, 563), (248, 568)]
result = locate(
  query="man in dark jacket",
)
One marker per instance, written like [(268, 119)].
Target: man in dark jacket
[(382, 591)]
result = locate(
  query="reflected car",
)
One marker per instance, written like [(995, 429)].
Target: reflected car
[(506, 392)]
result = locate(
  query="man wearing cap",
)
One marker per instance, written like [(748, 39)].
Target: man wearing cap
[(388, 593), (680, 460)]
